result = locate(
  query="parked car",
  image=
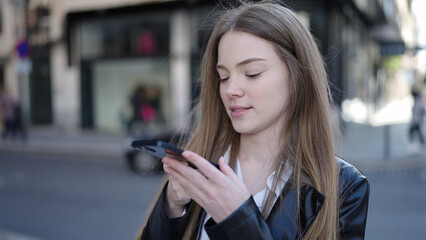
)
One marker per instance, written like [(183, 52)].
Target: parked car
[(137, 161)]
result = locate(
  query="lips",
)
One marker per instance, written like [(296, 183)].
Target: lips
[(237, 111)]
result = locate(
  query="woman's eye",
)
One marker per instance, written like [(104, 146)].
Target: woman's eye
[(253, 75), (221, 79)]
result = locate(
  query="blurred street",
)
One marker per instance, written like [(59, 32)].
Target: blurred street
[(76, 186), (77, 78), (45, 196), (397, 204)]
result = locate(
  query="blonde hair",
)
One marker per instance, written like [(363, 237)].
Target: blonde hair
[(307, 134)]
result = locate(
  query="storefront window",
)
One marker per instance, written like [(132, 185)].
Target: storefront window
[(145, 34), (131, 95), (202, 22), (127, 88)]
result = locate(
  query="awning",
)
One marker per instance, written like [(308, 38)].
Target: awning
[(385, 33)]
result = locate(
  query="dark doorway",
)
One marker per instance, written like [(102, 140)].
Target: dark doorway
[(2, 77), (40, 87)]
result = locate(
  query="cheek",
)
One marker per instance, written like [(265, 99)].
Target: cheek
[(278, 96), (222, 93)]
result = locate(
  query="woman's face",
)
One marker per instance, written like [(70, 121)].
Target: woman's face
[(253, 83)]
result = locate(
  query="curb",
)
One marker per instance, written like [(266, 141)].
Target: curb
[(54, 149), (8, 235), (79, 143), (392, 164), (93, 148), (68, 152)]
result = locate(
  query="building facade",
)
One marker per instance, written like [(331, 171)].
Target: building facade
[(93, 61)]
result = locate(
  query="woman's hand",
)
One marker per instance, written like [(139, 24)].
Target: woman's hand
[(219, 192), (176, 197)]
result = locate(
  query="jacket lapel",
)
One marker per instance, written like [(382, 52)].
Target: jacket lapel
[(282, 219)]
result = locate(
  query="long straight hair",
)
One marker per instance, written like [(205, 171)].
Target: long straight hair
[(307, 134)]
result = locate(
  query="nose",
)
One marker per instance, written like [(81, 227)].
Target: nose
[(234, 88)]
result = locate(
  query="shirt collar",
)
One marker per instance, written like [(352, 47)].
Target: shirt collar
[(281, 182)]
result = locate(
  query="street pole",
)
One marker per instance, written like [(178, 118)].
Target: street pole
[(23, 67), (387, 142)]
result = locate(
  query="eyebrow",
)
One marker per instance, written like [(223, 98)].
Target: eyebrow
[(245, 62)]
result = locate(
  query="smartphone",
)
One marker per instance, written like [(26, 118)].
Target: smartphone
[(158, 148), (155, 147)]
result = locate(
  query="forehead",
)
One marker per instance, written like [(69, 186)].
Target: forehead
[(237, 46)]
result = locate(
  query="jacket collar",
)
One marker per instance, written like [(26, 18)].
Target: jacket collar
[(285, 209)]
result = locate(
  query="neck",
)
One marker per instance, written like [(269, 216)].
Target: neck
[(261, 149)]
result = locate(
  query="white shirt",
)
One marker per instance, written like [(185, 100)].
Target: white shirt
[(260, 196)]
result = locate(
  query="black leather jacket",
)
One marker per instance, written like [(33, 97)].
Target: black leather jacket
[(248, 223)]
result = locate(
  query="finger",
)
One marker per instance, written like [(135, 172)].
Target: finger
[(198, 184), (178, 193), (171, 173), (190, 180), (224, 167), (175, 158), (182, 169), (229, 172), (203, 165), (167, 167)]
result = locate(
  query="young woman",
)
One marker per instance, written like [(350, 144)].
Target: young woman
[(265, 118)]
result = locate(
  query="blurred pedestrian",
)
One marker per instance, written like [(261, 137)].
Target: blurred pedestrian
[(416, 123), (265, 118), (144, 109), (136, 100), (7, 108)]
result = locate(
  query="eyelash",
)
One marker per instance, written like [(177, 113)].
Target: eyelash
[(252, 76)]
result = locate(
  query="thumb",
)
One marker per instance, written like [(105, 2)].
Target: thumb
[(229, 172), (225, 168)]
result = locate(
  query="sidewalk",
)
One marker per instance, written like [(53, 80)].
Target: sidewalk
[(380, 148), (89, 143), (371, 148)]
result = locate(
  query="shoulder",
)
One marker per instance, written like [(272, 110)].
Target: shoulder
[(354, 191), (350, 178), (347, 170)]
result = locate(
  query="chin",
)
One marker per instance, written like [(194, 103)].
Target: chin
[(243, 129), (238, 129)]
